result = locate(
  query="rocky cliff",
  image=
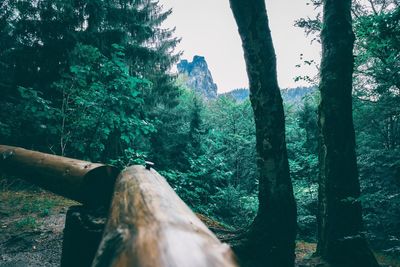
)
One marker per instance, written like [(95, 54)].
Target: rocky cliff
[(197, 76)]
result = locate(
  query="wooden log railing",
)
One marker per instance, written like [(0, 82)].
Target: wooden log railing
[(88, 183), (148, 225)]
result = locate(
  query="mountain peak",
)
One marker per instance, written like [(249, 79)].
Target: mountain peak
[(198, 76)]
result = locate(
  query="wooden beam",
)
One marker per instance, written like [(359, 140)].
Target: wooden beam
[(150, 226), (89, 183)]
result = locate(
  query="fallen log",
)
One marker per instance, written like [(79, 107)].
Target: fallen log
[(89, 183), (150, 226)]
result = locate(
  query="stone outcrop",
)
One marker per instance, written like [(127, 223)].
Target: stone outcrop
[(197, 77)]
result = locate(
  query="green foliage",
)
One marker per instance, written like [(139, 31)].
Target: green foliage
[(234, 206), (28, 222), (380, 182), (377, 54), (26, 119), (377, 120), (101, 112), (302, 145), (59, 50), (306, 194), (42, 207), (81, 78), (90, 79), (302, 138), (233, 134), (215, 173)]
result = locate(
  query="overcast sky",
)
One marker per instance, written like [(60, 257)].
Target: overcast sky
[(207, 28)]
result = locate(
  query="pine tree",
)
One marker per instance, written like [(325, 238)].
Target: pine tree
[(136, 25), (38, 41)]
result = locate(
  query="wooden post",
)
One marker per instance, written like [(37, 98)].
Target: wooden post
[(82, 235), (89, 183), (150, 226)]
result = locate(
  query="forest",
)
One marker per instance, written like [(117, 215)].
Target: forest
[(307, 181)]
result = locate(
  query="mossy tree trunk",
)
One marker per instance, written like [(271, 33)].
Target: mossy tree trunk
[(270, 240), (340, 239)]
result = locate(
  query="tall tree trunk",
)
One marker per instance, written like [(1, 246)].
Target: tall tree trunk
[(270, 240), (340, 239)]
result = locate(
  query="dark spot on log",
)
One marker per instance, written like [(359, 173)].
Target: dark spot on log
[(111, 245), (149, 165), (7, 154), (66, 172)]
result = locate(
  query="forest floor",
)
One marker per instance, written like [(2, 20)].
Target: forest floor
[(31, 227), (32, 222)]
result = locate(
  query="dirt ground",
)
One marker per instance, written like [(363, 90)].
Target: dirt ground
[(31, 228), (38, 247), (32, 223)]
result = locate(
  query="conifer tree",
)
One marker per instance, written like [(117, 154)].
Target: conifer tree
[(38, 40)]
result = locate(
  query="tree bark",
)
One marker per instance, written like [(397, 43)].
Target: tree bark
[(340, 238), (270, 240), (150, 226)]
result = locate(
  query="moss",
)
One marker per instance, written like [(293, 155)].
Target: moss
[(25, 209)]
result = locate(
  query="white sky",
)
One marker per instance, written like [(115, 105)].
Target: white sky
[(208, 29)]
